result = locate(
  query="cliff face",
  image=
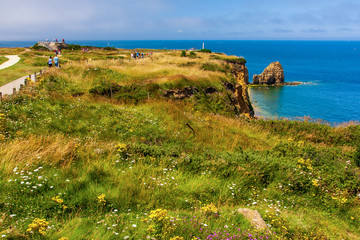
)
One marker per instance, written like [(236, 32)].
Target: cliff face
[(272, 75), (241, 75)]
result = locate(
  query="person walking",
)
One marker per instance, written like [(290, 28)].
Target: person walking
[(56, 61), (50, 61)]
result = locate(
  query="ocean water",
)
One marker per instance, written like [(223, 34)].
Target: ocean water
[(330, 71)]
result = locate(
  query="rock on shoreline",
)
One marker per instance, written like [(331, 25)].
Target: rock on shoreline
[(272, 75)]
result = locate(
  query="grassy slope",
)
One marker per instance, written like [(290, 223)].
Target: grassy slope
[(60, 140)]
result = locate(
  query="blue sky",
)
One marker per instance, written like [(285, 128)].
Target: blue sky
[(180, 19)]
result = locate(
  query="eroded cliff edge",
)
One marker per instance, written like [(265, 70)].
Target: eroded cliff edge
[(241, 75)]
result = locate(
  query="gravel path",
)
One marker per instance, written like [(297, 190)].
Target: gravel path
[(13, 59)]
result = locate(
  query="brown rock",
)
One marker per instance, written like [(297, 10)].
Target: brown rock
[(240, 69), (272, 75), (240, 72), (254, 217)]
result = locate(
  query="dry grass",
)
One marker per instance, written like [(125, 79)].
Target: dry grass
[(11, 51), (160, 68), (214, 131), (55, 149)]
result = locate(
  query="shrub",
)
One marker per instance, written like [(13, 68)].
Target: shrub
[(183, 53), (192, 54), (205, 50)]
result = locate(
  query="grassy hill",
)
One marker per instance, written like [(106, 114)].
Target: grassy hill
[(111, 148)]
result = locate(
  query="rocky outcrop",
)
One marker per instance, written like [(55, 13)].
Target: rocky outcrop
[(52, 46), (254, 217), (272, 75), (240, 72)]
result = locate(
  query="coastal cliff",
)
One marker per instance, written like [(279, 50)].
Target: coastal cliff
[(241, 74)]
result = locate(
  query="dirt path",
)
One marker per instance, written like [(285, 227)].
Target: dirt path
[(13, 59)]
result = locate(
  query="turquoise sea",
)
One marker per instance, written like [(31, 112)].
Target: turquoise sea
[(330, 71)]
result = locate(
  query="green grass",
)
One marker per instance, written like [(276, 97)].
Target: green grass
[(60, 139), (20, 69), (3, 59)]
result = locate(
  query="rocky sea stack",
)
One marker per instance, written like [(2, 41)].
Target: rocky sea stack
[(272, 75)]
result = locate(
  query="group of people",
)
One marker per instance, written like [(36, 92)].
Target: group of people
[(53, 61), (138, 55), (54, 40)]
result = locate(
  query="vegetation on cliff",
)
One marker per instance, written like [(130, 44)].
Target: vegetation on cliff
[(96, 150)]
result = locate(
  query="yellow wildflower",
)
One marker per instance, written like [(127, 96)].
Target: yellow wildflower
[(121, 147), (158, 214), (177, 238), (315, 182), (57, 199), (301, 143), (102, 198), (210, 208), (38, 226)]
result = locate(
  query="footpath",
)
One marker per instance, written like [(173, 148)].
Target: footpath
[(13, 59), (14, 86)]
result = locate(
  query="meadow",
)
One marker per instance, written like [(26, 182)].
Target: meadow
[(97, 149)]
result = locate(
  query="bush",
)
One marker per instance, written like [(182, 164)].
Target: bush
[(205, 50), (192, 54), (183, 53), (235, 60)]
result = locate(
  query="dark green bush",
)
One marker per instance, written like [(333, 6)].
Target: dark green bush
[(183, 53), (192, 54), (205, 50)]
